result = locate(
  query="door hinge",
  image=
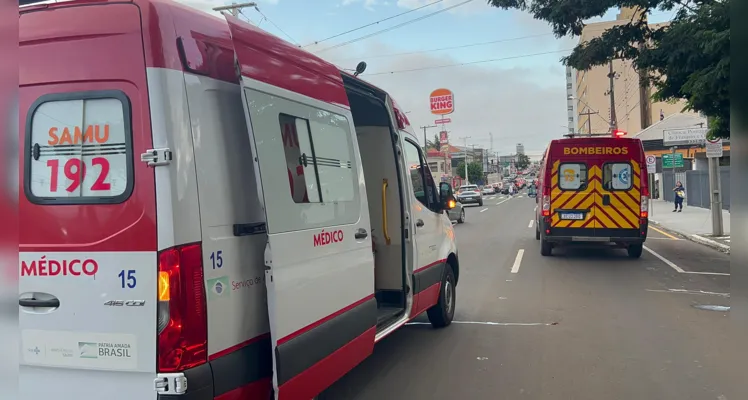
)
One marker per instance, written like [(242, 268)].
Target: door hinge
[(170, 383), (156, 157)]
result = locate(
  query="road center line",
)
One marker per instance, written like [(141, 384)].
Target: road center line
[(706, 273), (665, 260), (485, 209), (518, 261), (684, 291), (532, 221)]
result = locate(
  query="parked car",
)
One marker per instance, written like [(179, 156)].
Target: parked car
[(470, 194), (488, 189)]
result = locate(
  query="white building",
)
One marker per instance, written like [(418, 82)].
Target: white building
[(520, 148), (571, 103)]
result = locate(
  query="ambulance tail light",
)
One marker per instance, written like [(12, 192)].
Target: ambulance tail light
[(644, 205), (182, 310), (545, 202)]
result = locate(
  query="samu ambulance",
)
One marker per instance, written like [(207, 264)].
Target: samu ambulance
[(209, 212), (593, 190)]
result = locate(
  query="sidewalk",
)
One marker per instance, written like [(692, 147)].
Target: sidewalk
[(693, 223)]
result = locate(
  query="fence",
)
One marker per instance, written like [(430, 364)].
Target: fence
[(697, 187)]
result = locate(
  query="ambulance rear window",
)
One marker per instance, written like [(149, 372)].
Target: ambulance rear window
[(78, 149), (572, 176)]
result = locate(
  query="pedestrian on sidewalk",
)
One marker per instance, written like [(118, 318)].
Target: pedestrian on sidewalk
[(680, 194)]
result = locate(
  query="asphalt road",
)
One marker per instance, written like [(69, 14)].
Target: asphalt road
[(586, 323)]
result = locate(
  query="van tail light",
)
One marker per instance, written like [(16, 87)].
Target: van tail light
[(546, 204), (182, 311), (644, 207)]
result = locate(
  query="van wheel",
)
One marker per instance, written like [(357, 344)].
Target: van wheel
[(537, 231), (462, 217), (441, 314), (545, 247), (635, 250)]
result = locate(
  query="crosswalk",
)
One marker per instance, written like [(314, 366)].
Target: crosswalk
[(502, 197)]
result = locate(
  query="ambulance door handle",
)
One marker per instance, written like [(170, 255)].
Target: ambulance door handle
[(34, 302), (419, 222), (606, 199), (360, 234)]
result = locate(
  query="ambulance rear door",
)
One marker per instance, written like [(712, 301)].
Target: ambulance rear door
[(620, 187), (573, 187), (319, 262)]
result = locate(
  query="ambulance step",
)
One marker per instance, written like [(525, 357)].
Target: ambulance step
[(385, 314)]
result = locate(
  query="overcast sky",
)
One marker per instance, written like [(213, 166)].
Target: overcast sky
[(520, 97)]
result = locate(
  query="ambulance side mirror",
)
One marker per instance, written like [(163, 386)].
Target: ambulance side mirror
[(446, 196)]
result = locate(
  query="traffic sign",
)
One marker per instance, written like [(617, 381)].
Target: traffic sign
[(667, 160), (651, 164), (684, 137), (714, 148)]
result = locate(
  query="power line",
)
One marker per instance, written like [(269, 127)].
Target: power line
[(372, 23), (448, 48), (276, 26), (395, 26), (467, 63)]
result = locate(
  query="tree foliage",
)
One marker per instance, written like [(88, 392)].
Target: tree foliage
[(475, 171), (692, 52), (523, 161), (434, 143)]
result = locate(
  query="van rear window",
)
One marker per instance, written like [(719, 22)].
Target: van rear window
[(78, 149), (572, 176)]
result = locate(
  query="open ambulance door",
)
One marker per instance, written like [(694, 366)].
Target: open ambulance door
[(319, 265)]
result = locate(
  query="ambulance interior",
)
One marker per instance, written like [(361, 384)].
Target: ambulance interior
[(374, 133)]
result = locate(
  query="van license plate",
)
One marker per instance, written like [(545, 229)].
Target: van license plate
[(574, 216)]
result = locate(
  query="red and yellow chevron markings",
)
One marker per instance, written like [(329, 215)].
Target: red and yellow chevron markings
[(623, 211)]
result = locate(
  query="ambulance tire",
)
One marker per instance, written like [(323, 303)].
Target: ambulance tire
[(537, 231), (441, 314), (546, 247), (635, 250)]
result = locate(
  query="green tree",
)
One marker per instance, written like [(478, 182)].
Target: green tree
[(692, 53), (475, 171), (523, 161), (433, 144)]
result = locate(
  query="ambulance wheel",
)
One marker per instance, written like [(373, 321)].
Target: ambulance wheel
[(537, 231), (545, 247), (635, 250), (441, 314)]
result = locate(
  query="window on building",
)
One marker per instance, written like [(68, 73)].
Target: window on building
[(79, 149), (568, 86), (570, 108)]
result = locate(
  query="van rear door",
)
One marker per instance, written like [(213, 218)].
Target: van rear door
[(573, 185), (88, 263), (620, 191), (319, 262)]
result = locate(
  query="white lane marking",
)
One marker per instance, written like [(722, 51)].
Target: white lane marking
[(532, 221), (503, 201), (518, 261), (485, 209), (536, 208), (665, 260), (684, 291), (706, 273), (488, 323)]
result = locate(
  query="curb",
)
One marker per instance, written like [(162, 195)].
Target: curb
[(695, 238)]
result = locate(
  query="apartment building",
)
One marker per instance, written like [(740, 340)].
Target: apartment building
[(590, 100)]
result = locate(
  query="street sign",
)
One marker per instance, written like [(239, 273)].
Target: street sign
[(442, 101), (714, 148), (667, 160), (443, 121), (684, 137), (651, 164)]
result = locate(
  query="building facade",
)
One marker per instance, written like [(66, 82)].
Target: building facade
[(520, 148), (634, 108)]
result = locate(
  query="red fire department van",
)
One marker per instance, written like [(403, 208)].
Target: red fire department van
[(209, 212), (594, 190)]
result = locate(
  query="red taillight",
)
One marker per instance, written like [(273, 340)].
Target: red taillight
[(183, 322)]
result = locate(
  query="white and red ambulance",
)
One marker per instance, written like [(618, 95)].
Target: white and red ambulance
[(209, 212)]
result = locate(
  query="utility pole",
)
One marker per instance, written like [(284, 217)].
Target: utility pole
[(425, 141), (715, 192), (234, 8), (589, 114), (613, 119), (467, 178)]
